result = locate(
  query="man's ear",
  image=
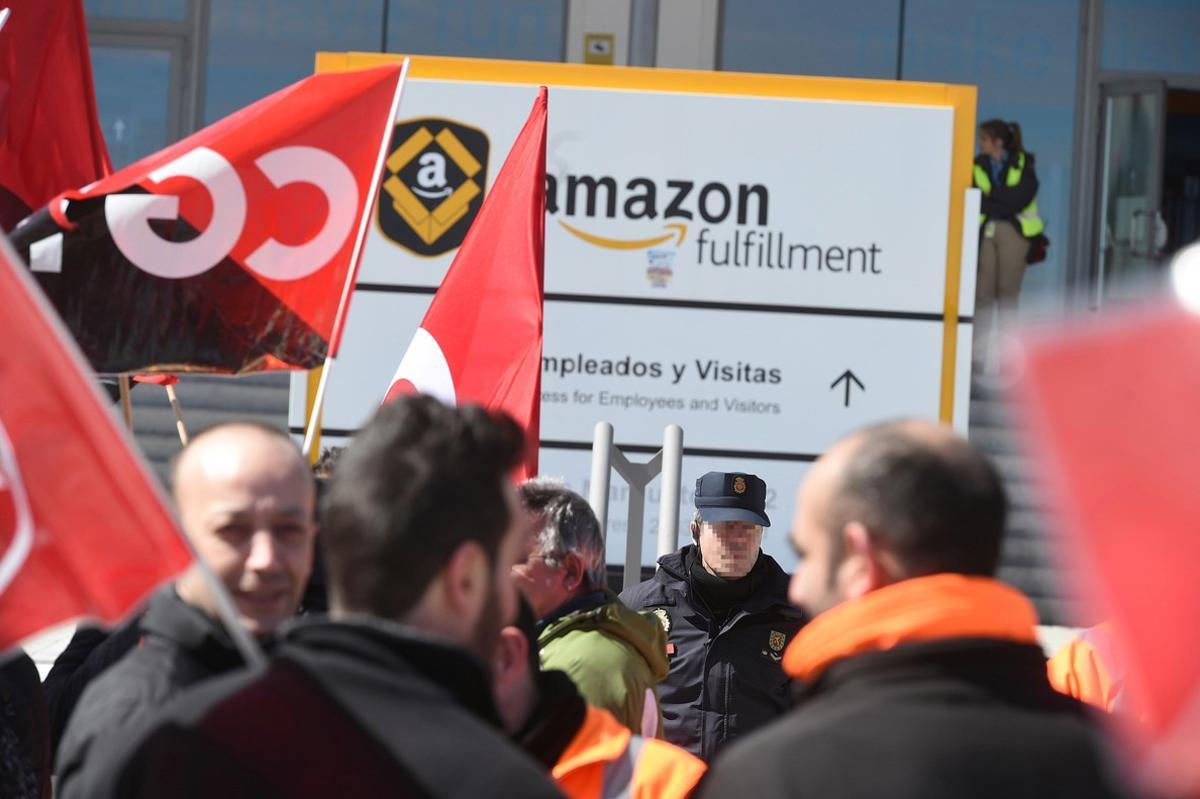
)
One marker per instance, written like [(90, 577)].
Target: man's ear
[(694, 527), (466, 581), (864, 568), (511, 659), (572, 572)]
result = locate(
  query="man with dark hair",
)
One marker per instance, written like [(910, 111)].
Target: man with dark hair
[(614, 655), (588, 751), (723, 604), (922, 674), (246, 502), (388, 696)]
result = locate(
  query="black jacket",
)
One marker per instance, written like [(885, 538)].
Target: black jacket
[(88, 655), (348, 708), (180, 647), (24, 730), (725, 678), (1004, 202), (952, 718)]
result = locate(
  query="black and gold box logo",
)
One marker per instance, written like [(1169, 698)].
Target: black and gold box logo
[(434, 184)]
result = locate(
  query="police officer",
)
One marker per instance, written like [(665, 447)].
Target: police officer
[(724, 606)]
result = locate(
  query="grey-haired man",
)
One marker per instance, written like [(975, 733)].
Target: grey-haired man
[(615, 657)]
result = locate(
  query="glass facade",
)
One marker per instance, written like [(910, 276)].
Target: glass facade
[(171, 10), (1151, 36), (256, 47), (133, 90), (849, 38), (531, 30)]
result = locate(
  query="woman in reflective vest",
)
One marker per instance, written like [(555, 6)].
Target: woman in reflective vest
[(1008, 220)]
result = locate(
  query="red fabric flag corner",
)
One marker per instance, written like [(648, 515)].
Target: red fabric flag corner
[(84, 529), (1112, 424), (50, 138), (481, 339)]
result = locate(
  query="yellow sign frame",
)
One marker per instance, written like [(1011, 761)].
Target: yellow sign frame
[(962, 99)]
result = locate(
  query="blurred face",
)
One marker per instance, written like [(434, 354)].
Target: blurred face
[(814, 583), (989, 146), (729, 549), (500, 610), (246, 503), (547, 586)]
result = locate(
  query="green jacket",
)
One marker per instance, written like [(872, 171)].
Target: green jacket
[(614, 655)]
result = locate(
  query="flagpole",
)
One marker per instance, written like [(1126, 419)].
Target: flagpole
[(179, 425), (339, 320), (126, 402)]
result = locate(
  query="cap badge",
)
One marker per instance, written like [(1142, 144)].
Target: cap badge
[(776, 641), (739, 485)]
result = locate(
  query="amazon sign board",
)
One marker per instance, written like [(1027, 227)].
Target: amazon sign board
[(736, 254)]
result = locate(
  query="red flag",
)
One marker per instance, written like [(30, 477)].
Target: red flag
[(84, 529), (233, 250), (50, 137), (481, 339), (1112, 412)]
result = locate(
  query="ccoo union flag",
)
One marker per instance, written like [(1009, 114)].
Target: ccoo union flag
[(231, 251), (481, 339)]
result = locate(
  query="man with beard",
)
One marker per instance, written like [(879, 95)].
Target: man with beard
[(245, 500), (922, 673), (388, 696)]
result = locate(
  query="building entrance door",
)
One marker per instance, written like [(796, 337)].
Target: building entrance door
[(1130, 230)]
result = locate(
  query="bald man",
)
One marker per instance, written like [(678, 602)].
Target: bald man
[(921, 673), (245, 499)]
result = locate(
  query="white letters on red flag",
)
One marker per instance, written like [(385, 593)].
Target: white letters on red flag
[(1113, 424), (84, 530), (231, 251), (481, 339)]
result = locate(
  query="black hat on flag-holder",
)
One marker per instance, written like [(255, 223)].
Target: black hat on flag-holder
[(732, 497)]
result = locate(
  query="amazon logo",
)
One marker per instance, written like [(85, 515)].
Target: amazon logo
[(672, 204), (434, 184)]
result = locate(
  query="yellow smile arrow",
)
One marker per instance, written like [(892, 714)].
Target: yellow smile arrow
[(628, 244)]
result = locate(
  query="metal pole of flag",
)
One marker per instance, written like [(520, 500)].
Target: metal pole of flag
[(668, 461), (339, 321), (179, 425), (126, 401)]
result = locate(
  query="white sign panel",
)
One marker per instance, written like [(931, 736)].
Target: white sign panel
[(767, 272)]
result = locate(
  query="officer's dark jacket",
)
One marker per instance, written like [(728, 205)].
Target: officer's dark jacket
[(725, 678), (1004, 202), (355, 707), (180, 646)]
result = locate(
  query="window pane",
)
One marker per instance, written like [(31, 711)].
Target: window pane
[(175, 10), (132, 92), (259, 46), (531, 30), (849, 38), (1151, 36)]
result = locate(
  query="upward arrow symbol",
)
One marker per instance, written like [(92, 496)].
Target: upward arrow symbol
[(847, 377)]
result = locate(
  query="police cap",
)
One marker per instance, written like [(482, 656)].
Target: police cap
[(732, 497)]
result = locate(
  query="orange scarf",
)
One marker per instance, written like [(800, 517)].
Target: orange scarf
[(921, 609)]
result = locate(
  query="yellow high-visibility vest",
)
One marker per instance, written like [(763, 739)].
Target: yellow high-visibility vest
[(1031, 224)]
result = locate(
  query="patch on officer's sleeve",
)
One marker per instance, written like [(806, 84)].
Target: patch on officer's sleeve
[(664, 619)]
